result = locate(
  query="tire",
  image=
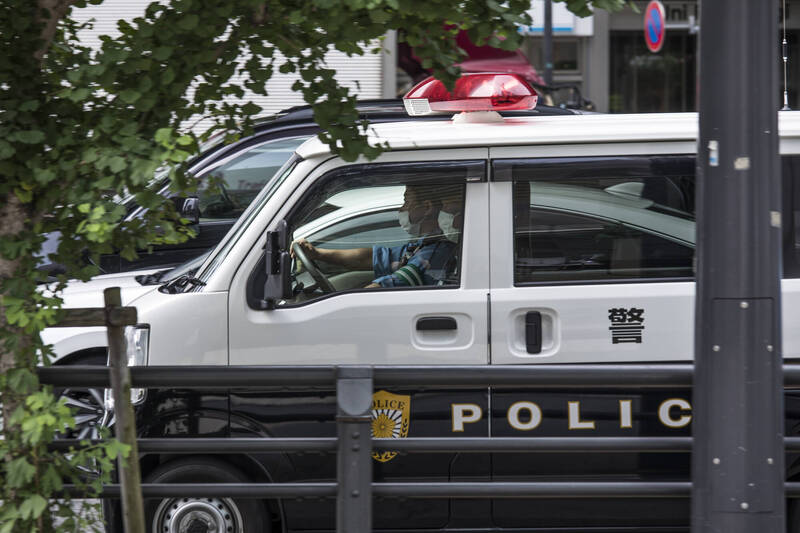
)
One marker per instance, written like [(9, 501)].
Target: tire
[(212, 515)]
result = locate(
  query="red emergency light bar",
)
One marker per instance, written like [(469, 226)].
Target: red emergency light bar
[(473, 92)]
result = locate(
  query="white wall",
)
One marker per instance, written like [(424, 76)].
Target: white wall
[(367, 69)]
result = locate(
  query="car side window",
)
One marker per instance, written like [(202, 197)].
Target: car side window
[(225, 191), (624, 219), (379, 227)]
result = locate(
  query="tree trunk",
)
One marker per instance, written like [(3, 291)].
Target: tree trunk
[(12, 222)]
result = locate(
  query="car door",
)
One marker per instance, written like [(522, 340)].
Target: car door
[(425, 312), (592, 262)]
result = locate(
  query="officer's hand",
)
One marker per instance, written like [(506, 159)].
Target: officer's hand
[(310, 250), (372, 285)]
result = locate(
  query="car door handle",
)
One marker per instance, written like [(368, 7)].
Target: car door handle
[(533, 331), (431, 323)]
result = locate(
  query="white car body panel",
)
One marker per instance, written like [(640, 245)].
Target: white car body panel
[(212, 324), (564, 130), (575, 323), (66, 341), (186, 329)]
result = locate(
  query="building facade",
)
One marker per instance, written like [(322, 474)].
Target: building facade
[(368, 76), (604, 56), (613, 68)]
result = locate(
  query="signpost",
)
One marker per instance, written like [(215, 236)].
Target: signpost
[(738, 453), (654, 26)]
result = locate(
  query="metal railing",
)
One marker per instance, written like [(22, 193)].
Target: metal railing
[(354, 446)]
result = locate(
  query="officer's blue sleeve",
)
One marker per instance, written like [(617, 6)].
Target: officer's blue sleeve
[(412, 274), (386, 260)]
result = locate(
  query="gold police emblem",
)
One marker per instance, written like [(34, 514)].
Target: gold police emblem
[(390, 419)]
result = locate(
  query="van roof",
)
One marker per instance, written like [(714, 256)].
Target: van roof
[(568, 129)]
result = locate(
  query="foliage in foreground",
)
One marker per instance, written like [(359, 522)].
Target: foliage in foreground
[(80, 129)]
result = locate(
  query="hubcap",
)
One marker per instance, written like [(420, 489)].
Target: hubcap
[(90, 410), (197, 515)]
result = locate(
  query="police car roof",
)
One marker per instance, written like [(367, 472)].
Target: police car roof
[(574, 129)]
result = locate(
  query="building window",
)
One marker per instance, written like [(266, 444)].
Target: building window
[(644, 82)]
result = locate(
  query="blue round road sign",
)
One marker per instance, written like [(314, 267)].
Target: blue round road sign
[(654, 26)]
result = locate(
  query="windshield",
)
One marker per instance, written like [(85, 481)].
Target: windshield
[(187, 268), (218, 254), (227, 184)]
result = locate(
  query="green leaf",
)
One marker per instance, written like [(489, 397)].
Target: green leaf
[(29, 136), (117, 164), (30, 105), (19, 472), (6, 150), (115, 448), (24, 197), (251, 109), (22, 380), (163, 135), (188, 22), (178, 156), (379, 16), (129, 96), (44, 175), (79, 94), (296, 17), (33, 507), (51, 480), (184, 140), (162, 52), (167, 76)]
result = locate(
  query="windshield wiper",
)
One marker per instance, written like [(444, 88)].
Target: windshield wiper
[(181, 283), (151, 279)]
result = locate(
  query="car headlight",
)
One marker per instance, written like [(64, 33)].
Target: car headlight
[(137, 339)]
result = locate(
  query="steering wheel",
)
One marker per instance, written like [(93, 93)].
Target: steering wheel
[(312, 268)]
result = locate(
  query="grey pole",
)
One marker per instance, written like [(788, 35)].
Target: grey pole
[(547, 45), (738, 456), (354, 458)]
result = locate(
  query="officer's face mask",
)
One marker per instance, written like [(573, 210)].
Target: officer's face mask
[(412, 229), (446, 224)]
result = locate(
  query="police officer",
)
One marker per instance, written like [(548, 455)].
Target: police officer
[(423, 261)]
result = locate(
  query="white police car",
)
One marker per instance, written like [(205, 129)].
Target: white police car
[(482, 240)]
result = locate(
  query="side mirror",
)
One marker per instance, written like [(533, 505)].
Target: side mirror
[(278, 263), (190, 209)]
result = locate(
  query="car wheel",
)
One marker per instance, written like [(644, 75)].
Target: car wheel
[(212, 515), (88, 405)]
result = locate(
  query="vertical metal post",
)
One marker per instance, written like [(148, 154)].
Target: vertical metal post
[(738, 456), (547, 44), (125, 425), (354, 459), (389, 65)]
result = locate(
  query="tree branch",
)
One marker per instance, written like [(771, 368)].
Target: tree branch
[(57, 9), (260, 15)]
